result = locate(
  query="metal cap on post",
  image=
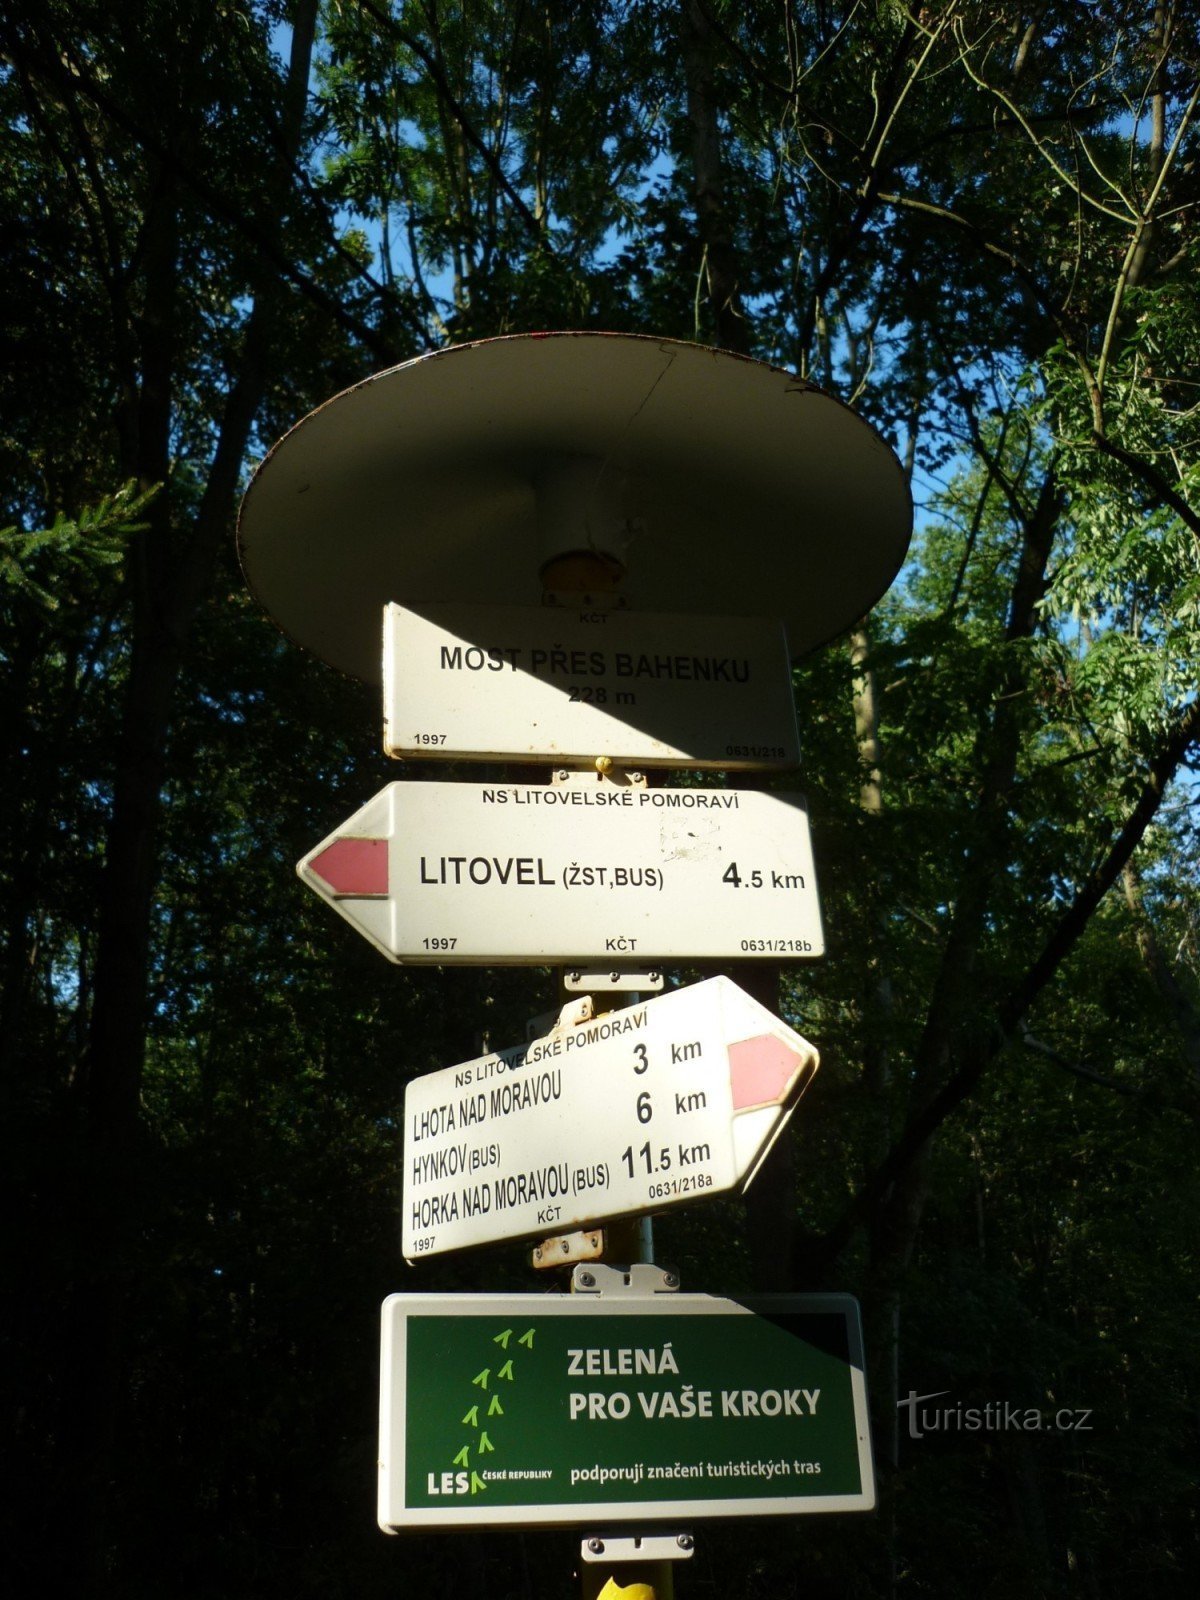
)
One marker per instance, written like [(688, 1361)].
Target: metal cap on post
[(583, 526), (719, 484)]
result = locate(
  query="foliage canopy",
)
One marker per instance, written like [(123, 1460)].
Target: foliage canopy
[(974, 220)]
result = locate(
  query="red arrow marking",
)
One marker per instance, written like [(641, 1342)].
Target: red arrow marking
[(761, 1071), (353, 866)]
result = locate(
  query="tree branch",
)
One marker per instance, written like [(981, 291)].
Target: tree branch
[(1103, 1080), (1148, 474), (980, 1047), (437, 72), (48, 67)]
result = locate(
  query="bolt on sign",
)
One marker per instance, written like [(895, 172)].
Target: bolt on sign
[(552, 683), (676, 1099), (494, 874), (537, 1410)]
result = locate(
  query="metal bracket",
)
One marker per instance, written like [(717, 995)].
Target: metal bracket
[(604, 770), (613, 980), (565, 1248), (592, 600), (619, 1547), (572, 1015), (639, 1278)]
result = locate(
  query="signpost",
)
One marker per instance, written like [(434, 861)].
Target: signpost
[(673, 1100), (682, 483), (551, 684), (475, 874), (539, 1410)]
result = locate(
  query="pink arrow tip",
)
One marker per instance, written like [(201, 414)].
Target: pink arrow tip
[(353, 866), (761, 1070)]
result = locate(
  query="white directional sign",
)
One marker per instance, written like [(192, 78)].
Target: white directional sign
[(481, 874), (639, 1109), (557, 684)]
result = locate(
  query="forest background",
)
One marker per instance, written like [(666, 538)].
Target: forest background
[(977, 223)]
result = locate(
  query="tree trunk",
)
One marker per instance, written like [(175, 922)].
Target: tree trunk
[(718, 259), (883, 1299), (1184, 1013), (170, 570)]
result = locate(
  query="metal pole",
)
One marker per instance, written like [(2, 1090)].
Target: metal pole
[(627, 1241), (641, 1582)]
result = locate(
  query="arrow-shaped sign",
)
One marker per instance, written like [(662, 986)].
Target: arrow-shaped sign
[(351, 866), (664, 1102), (472, 874)]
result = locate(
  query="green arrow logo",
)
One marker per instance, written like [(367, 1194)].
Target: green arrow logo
[(481, 1380)]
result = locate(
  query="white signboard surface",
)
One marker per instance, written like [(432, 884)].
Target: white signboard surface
[(552, 684), (656, 1104), (484, 874)]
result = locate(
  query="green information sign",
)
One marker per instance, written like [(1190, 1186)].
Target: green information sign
[(536, 1410)]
